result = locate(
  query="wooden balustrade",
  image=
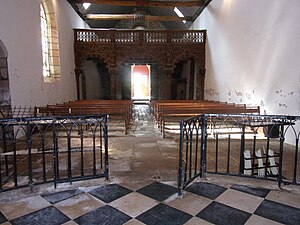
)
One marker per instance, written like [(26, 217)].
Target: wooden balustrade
[(137, 36)]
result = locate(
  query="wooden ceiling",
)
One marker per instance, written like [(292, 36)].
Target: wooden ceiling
[(107, 13)]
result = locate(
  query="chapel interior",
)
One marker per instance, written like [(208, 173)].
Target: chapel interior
[(149, 112)]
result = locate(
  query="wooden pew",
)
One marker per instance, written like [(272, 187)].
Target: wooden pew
[(104, 103), (174, 111), (156, 104), (116, 109), (185, 107)]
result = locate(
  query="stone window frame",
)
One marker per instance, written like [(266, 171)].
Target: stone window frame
[(54, 56)]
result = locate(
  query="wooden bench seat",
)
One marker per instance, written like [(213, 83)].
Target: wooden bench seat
[(172, 111), (160, 107), (116, 109)]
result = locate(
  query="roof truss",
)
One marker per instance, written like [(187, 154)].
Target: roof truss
[(195, 7), (145, 3)]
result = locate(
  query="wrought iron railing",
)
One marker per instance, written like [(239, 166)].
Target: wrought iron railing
[(137, 36), (52, 149), (254, 146)]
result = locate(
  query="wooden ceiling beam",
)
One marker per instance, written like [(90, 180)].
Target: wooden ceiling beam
[(135, 16), (145, 3)]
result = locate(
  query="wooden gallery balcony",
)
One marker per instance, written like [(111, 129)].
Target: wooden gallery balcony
[(116, 47)]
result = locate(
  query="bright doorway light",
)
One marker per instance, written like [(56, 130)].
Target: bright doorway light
[(179, 13), (86, 5), (140, 82)]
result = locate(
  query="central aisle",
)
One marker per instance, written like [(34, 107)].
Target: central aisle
[(143, 154)]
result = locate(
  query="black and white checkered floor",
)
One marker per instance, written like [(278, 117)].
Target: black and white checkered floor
[(156, 203), (134, 197)]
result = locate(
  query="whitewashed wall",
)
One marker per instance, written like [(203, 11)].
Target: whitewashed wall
[(21, 35), (253, 53)]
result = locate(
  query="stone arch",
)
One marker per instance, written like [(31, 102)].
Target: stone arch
[(87, 80), (196, 76), (188, 55), (104, 57), (3, 50)]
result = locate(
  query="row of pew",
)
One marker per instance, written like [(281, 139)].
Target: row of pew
[(170, 111), (164, 111), (116, 109)]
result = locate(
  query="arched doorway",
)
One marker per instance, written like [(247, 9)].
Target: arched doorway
[(4, 78), (187, 79), (93, 80)]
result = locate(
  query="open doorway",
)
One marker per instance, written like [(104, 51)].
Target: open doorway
[(140, 82)]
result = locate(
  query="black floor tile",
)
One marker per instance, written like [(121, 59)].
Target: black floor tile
[(109, 193), (207, 190), (158, 191), (278, 212), (218, 213), (2, 218), (47, 216), (60, 196), (105, 215), (164, 215), (260, 192)]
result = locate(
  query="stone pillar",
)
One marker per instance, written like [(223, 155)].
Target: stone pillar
[(154, 82), (83, 85), (192, 76), (113, 75), (77, 77), (200, 83), (167, 88), (80, 83), (126, 82)]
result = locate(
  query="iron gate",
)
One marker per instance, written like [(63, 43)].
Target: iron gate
[(52, 149), (264, 147)]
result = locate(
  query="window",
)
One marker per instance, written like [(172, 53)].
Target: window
[(45, 42), (49, 39)]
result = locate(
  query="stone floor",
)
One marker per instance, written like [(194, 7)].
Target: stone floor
[(142, 189)]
